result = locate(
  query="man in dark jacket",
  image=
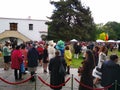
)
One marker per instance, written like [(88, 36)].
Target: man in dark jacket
[(110, 72), (33, 58)]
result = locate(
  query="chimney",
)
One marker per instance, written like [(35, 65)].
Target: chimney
[(29, 17)]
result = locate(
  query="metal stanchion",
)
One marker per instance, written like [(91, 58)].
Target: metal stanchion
[(72, 82), (115, 84), (35, 81)]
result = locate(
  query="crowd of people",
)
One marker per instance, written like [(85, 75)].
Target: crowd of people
[(96, 67)]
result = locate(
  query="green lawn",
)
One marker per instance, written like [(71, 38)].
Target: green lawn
[(76, 62), (114, 52)]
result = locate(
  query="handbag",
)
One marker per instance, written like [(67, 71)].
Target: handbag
[(22, 67), (62, 71), (96, 72)]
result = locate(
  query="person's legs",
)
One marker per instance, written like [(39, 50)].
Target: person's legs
[(8, 59), (15, 74), (6, 63), (40, 59), (20, 74), (74, 55), (5, 66), (68, 69), (45, 67), (40, 62), (33, 77), (77, 55)]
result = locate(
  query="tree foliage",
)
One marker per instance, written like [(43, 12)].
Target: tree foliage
[(71, 20), (111, 28)]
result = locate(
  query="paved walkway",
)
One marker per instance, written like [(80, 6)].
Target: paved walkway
[(9, 76)]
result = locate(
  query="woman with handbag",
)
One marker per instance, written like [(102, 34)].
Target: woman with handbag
[(101, 58), (55, 77)]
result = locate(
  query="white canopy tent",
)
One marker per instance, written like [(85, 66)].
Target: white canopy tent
[(118, 41), (100, 40), (111, 41), (73, 40)]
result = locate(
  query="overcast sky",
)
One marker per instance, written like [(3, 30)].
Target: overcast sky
[(102, 10)]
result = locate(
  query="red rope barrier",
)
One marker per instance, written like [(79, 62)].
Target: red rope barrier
[(92, 87), (53, 85), (15, 83), (84, 84)]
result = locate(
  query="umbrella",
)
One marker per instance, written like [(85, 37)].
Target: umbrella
[(73, 40)]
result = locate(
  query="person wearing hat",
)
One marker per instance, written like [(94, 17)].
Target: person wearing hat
[(61, 47), (51, 49), (40, 49), (6, 55)]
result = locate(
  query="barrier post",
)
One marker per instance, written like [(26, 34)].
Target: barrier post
[(115, 84), (72, 82), (35, 80)]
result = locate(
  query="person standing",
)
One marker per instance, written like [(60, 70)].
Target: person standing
[(68, 58), (55, 77), (77, 49), (86, 72), (110, 72), (96, 54), (101, 58), (51, 49), (33, 59), (40, 50), (83, 50), (7, 55), (16, 61), (24, 52), (45, 59)]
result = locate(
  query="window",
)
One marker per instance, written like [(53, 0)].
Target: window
[(13, 26), (30, 26)]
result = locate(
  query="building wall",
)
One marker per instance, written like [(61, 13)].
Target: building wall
[(23, 27)]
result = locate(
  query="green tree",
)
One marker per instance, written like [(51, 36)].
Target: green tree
[(113, 29), (99, 30), (71, 20)]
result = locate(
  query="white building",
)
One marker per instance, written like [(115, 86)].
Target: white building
[(22, 29)]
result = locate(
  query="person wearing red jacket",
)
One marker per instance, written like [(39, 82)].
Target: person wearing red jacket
[(40, 49), (16, 61)]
